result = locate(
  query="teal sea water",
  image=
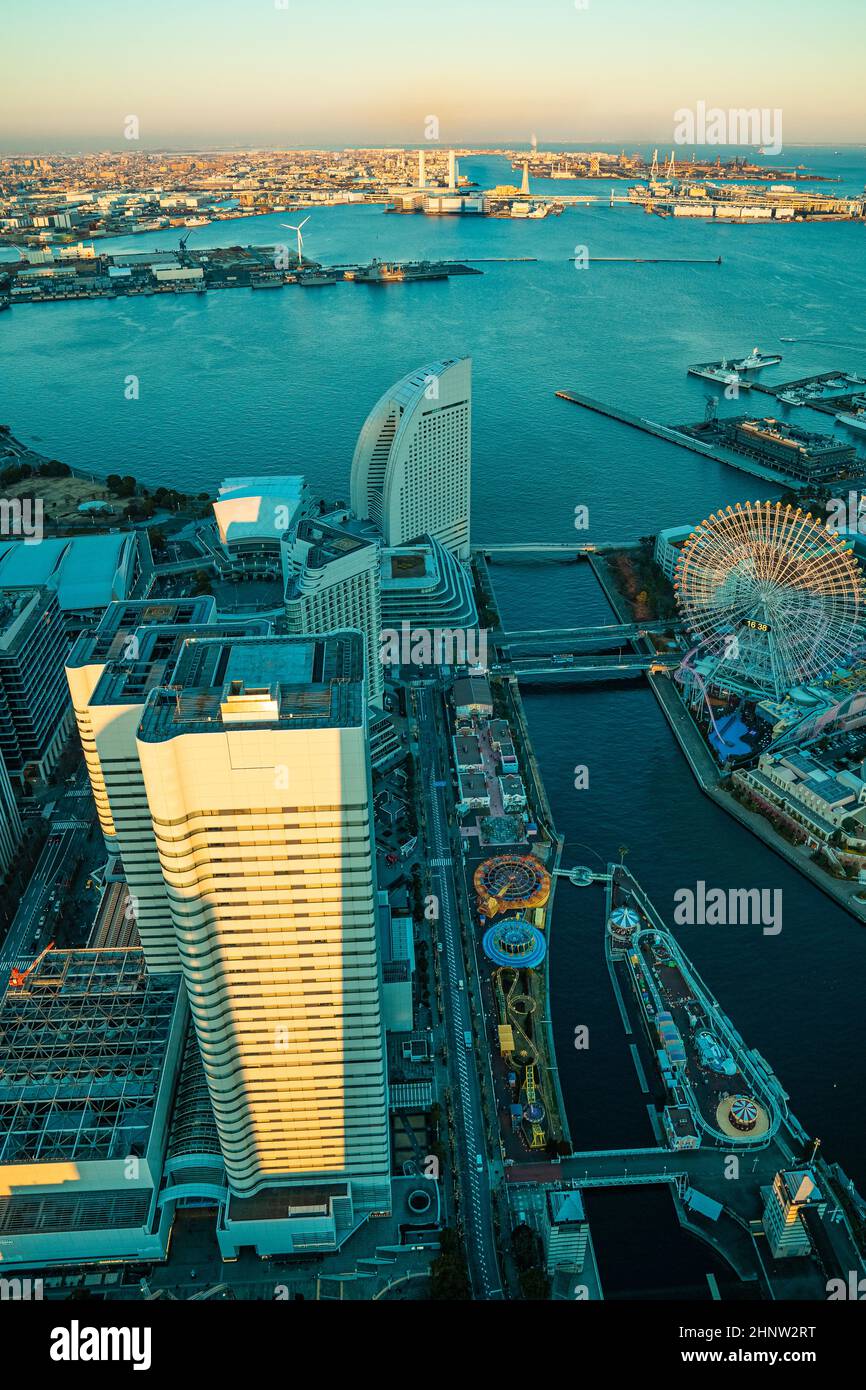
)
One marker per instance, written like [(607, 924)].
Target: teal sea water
[(242, 381)]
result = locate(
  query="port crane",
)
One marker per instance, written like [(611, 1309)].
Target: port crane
[(17, 978)]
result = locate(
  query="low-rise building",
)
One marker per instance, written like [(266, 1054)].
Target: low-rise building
[(467, 754), (82, 1147), (513, 792), (471, 695), (87, 572), (474, 792), (253, 513), (668, 545)]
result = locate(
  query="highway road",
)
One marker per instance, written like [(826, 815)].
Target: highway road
[(70, 826), (477, 1199)]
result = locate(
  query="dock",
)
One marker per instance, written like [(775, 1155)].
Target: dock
[(650, 260), (743, 463)]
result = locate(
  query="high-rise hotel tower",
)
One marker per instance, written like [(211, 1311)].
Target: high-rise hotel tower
[(257, 772), (331, 569), (411, 469)]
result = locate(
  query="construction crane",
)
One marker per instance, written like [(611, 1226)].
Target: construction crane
[(18, 977), (181, 246)]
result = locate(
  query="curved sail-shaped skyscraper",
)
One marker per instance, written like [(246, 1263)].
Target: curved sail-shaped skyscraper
[(411, 469)]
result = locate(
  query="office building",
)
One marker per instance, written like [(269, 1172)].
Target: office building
[(113, 640), (564, 1230), (257, 773), (412, 462), (792, 1197), (11, 829), (331, 569), (111, 672), (35, 713)]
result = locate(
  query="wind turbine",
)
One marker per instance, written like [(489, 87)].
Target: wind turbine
[(297, 229)]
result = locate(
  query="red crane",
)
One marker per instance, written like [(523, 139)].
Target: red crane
[(18, 977)]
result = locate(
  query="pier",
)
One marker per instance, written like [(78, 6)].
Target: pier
[(549, 550), (725, 1214), (743, 463), (649, 260)]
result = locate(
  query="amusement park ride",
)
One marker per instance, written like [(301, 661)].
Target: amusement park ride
[(510, 883), (516, 947), (772, 598)]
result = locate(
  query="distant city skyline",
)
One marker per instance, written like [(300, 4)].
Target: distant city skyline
[(248, 73)]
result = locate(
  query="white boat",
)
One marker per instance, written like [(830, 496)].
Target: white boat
[(756, 360), (789, 398), (723, 375), (853, 422)]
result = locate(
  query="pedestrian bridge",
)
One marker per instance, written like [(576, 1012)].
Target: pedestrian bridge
[(584, 669), (549, 550), (599, 633), (703, 1167)]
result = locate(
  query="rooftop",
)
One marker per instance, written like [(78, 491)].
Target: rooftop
[(87, 571), (289, 682), (84, 1044), (258, 507), (109, 639)]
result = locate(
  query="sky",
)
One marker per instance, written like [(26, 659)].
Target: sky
[(301, 73)]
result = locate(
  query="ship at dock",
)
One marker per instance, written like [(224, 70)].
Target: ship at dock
[(401, 272), (315, 278), (730, 371), (756, 360)]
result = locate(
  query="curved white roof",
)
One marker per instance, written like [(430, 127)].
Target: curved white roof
[(86, 571), (258, 507)]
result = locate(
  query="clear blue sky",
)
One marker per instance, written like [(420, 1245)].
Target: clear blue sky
[(234, 72)]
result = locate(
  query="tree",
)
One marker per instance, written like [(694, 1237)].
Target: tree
[(534, 1285), (448, 1275)]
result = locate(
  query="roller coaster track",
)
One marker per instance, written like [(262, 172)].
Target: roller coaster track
[(508, 999)]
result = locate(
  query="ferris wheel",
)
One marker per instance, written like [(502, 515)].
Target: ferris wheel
[(773, 596)]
